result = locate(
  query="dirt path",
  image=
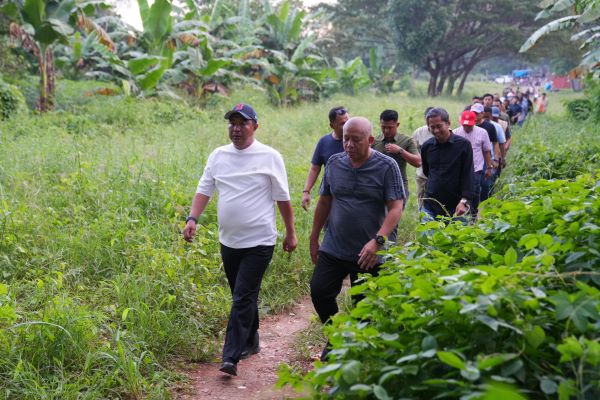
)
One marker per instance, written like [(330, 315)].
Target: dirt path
[(258, 373)]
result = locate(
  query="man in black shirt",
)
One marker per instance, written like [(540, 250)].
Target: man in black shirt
[(447, 161)]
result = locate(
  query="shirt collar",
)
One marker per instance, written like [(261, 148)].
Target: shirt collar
[(394, 139)]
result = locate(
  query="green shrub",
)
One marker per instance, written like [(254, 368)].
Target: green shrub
[(12, 101), (580, 109), (550, 148), (588, 107)]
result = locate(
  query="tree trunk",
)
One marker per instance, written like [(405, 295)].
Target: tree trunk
[(46, 61), (433, 77), (51, 74), (451, 83), (43, 100), (440, 86), (466, 73)]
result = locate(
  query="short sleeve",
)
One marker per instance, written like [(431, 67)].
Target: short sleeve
[(487, 145), (412, 146), (279, 181), (317, 159), (393, 188), (206, 185), (325, 188), (500, 134)]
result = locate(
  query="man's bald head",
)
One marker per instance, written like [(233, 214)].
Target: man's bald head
[(358, 138), (359, 125)]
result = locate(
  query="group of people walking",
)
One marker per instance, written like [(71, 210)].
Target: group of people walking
[(362, 196)]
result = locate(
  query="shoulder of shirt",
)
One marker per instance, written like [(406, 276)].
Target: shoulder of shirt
[(266, 148), (336, 157), (402, 136), (429, 142), (460, 139), (383, 157), (222, 149), (325, 137)]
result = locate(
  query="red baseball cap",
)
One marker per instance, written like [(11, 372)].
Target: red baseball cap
[(468, 118)]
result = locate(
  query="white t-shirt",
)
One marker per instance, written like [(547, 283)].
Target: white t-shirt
[(421, 135), (248, 182)]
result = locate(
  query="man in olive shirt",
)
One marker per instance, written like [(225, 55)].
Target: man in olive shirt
[(397, 145)]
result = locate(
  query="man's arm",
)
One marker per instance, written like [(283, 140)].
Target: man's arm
[(313, 174), (367, 258), (412, 159), (287, 214), (487, 156), (321, 214), (198, 205)]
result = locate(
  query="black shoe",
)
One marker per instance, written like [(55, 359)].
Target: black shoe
[(229, 368), (325, 351), (251, 349), (248, 351)]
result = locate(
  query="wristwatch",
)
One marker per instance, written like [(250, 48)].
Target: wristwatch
[(380, 240), (190, 218)]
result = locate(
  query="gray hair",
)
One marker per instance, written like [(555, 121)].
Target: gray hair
[(438, 112)]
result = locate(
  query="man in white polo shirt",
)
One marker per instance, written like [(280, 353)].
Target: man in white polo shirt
[(250, 178)]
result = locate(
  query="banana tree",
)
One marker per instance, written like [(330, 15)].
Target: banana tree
[(585, 17), (40, 25), (349, 77), (289, 63), (383, 77)]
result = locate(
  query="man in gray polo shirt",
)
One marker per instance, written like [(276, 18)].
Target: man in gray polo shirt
[(362, 196)]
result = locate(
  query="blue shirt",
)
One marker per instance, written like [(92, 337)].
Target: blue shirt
[(359, 203), (326, 147)]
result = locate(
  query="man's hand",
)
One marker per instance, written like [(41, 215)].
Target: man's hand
[(314, 250), (488, 172), (367, 258), (461, 209), (305, 200), (290, 242), (393, 148), (189, 231)]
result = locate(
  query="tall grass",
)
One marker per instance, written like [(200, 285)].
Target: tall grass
[(98, 292)]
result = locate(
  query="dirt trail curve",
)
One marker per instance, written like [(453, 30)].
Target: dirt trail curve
[(257, 374)]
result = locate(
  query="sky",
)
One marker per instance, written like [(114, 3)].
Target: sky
[(128, 10)]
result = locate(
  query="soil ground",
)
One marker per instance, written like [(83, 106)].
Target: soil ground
[(257, 374)]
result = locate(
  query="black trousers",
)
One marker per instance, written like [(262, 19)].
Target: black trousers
[(326, 283), (244, 269)]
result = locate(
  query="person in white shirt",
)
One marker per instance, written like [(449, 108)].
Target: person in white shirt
[(421, 135), (250, 178)]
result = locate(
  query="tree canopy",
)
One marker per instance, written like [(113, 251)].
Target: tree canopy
[(449, 38)]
